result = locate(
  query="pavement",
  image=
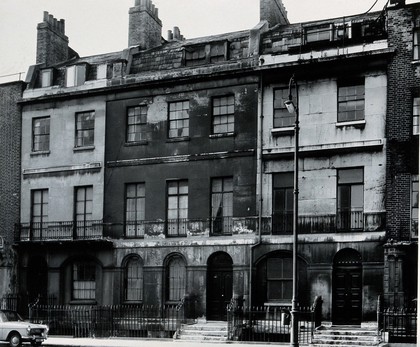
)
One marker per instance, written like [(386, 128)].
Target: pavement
[(118, 342)]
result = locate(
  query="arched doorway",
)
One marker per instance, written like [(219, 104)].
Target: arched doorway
[(347, 287), (219, 285), (37, 280)]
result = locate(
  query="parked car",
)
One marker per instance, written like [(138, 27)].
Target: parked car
[(15, 330)]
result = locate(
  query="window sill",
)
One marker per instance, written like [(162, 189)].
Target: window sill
[(82, 149), (415, 62), (357, 124), (178, 139), (286, 131), (221, 135), (136, 143), (40, 153)]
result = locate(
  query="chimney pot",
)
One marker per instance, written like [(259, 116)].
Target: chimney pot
[(145, 27), (52, 43)]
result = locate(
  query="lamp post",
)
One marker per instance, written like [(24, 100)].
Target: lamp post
[(292, 108)]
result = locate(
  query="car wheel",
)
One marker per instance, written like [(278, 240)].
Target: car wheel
[(15, 340)]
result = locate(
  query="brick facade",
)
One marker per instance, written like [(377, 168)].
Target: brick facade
[(10, 129), (402, 151)]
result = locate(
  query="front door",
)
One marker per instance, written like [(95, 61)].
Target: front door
[(37, 280), (347, 293), (219, 286)]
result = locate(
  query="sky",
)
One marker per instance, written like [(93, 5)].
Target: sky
[(101, 26)]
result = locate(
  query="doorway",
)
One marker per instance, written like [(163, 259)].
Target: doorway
[(37, 280), (219, 285), (347, 288)]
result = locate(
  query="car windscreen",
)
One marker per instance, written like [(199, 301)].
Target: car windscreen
[(9, 316)]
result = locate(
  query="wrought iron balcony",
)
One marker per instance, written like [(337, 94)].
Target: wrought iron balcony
[(62, 231), (344, 221), (218, 226)]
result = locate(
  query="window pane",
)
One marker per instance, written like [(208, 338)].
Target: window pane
[(85, 129), (223, 114), (351, 102), (178, 119)]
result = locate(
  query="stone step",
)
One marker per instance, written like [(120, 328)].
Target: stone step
[(340, 342), (204, 332), (201, 338), (213, 331), (205, 327), (332, 334), (347, 336)]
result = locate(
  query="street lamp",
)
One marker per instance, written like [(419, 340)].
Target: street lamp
[(292, 108)]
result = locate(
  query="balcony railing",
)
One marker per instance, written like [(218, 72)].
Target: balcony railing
[(277, 224), (218, 226), (66, 230), (348, 221)]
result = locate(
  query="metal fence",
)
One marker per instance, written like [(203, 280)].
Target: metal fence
[(398, 324), (269, 324), (110, 321)]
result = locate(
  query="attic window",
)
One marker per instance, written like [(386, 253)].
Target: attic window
[(318, 33), (47, 78), (195, 56), (206, 54), (76, 75), (342, 31), (101, 71)]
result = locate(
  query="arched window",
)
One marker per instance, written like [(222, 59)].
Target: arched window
[(176, 278), (133, 280)]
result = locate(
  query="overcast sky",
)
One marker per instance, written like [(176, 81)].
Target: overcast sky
[(100, 26)]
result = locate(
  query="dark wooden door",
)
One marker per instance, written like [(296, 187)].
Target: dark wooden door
[(219, 293), (219, 285), (347, 295)]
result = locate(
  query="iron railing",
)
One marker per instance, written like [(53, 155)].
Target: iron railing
[(398, 324), (218, 226), (345, 221), (277, 224), (269, 324), (65, 230), (110, 321)]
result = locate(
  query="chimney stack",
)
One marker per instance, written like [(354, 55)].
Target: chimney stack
[(145, 27), (52, 43), (274, 12), (175, 35)]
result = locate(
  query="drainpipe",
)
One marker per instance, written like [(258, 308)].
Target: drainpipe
[(260, 189)]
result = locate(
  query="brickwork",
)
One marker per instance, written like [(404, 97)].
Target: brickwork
[(274, 12), (145, 27), (401, 150), (10, 129), (52, 43)]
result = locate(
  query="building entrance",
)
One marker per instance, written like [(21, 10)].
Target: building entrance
[(347, 287), (219, 285)]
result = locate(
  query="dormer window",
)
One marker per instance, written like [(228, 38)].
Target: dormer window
[(318, 33), (101, 71), (206, 54), (76, 75), (47, 77), (342, 31)]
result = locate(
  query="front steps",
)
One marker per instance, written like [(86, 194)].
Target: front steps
[(345, 335), (203, 331)]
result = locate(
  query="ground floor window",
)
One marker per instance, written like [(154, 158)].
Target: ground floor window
[(176, 278), (134, 279), (84, 281)]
